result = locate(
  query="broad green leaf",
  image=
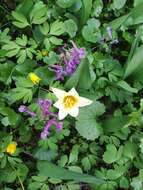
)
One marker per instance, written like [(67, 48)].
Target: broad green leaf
[(81, 78), (86, 11), (113, 124), (70, 27), (117, 23), (51, 170), (135, 64), (137, 2), (132, 18), (87, 124), (48, 155), (21, 20)]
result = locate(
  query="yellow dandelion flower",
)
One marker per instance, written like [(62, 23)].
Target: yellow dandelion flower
[(34, 78), (44, 53), (11, 148)]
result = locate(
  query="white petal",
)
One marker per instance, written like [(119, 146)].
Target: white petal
[(84, 102), (58, 92), (73, 92), (62, 114), (74, 112), (58, 104)]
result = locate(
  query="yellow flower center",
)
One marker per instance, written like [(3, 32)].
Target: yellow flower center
[(69, 101), (11, 148)]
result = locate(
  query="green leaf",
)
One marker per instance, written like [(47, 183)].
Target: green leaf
[(21, 93), (65, 3), (56, 41), (11, 118), (35, 185), (12, 48), (6, 70), (73, 154), (86, 11), (130, 150), (45, 154), (91, 32), (135, 64), (113, 124), (118, 4), (126, 86), (70, 27), (39, 13), (81, 78), (44, 74), (137, 2), (111, 154), (44, 29), (86, 123), (21, 21), (57, 28), (50, 170)]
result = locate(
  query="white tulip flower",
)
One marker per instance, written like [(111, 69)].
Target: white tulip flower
[(69, 102)]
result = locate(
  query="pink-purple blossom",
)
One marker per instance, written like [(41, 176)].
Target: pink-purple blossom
[(71, 60), (24, 109), (45, 105), (49, 123)]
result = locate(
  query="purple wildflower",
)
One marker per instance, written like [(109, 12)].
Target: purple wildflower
[(24, 109), (51, 122), (58, 69), (45, 105), (71, 61)]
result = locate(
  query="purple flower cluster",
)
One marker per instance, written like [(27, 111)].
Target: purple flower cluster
[(24, 109), (59, 71), (51, 122), (71, 61), (44, 105)]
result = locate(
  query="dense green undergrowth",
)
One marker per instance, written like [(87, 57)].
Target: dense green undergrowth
[(94, 47)]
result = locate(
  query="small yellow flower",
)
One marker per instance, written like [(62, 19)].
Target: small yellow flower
[(34, 78), (11, 148), (69, 102), (44, 53)]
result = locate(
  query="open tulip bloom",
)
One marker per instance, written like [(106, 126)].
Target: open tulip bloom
[(69, 102)]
